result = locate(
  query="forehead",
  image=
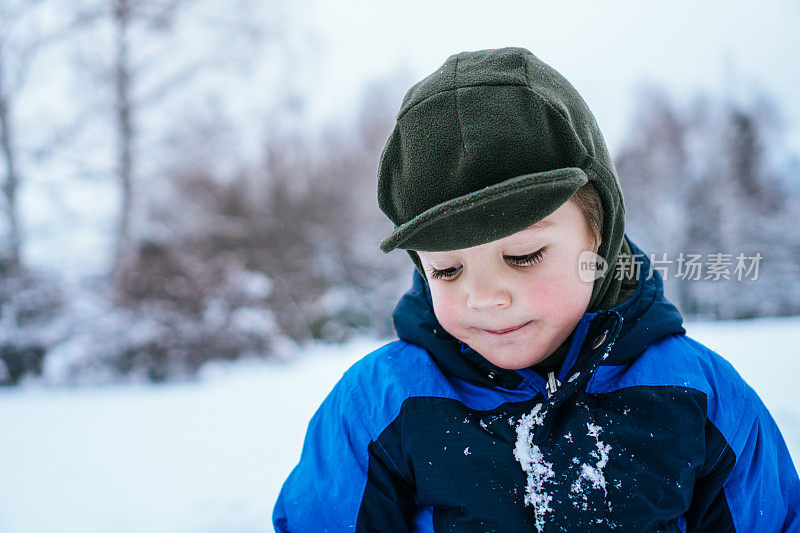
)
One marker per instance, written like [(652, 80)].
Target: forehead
[(543, 224), (523, 237), (567, 221)]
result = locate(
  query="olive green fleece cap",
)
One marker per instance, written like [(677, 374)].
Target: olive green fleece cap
[(489, 144)]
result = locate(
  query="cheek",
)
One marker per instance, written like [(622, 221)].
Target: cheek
[(446, 308), (559, 297)]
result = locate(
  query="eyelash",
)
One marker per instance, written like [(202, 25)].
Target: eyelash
[(516, 260)]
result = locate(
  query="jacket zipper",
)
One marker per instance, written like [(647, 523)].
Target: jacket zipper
[(552, 384)]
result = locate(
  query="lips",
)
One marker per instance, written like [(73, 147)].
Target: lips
[(506, 330)]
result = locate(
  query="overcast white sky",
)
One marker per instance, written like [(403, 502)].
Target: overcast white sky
[(602, 47)]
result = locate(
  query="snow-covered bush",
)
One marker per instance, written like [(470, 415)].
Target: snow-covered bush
[(30, 320), (155, 339)]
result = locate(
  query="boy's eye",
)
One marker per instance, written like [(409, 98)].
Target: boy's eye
[(528, 259), (516, 260), (446, 273)]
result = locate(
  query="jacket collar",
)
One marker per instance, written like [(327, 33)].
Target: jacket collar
[(631, 327)]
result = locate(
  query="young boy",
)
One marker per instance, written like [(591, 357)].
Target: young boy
[(527, 392)]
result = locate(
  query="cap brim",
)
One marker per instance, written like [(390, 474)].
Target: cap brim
[(488, 214)]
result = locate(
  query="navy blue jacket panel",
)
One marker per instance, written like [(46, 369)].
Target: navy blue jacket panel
[(648, 431)]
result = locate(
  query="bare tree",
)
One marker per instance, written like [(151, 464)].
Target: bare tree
[(9, 256), (124, 14), (16, 57), (143, 71), (697, 179), (28, 30), (655, 175), (121, 16)]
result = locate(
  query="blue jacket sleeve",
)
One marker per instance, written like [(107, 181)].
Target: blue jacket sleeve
[(344, 481), (753, 484)]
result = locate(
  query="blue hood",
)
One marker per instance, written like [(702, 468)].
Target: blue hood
[(645, 318)]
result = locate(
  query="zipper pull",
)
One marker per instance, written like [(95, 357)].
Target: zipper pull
[(552, 384)]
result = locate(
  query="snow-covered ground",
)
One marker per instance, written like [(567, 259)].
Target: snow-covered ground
[(210, 456)]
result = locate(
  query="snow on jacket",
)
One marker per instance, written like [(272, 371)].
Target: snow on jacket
[(649, 430)]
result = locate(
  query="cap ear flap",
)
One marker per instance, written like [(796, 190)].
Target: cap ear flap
[(418, 264)]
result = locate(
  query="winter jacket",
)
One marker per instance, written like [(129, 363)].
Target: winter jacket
[(643, 429)]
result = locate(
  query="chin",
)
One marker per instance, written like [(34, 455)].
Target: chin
[(514, 362)]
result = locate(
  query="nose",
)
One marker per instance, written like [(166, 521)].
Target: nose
[(484, 294)]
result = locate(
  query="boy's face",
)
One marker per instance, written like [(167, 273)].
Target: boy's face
[(514, 300)]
